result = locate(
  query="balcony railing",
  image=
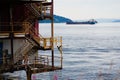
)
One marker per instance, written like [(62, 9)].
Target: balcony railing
[(45, 60), (15, 27), (45, 43)]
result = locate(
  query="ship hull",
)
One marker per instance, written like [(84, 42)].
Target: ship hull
[(80, 22)]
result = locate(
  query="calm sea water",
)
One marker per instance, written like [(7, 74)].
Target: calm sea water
[(90, 52)]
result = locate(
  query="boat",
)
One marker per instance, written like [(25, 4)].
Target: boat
[(92, 21)]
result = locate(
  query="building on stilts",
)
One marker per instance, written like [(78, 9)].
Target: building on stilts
[(20, 38)]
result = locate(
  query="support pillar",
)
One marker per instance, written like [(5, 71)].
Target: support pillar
[(11, 40), (28, 73), (52, 36)]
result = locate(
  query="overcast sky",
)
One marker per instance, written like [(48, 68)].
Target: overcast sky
[(87, 9)]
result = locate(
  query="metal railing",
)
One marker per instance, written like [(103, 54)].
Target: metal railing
[(17, 27), (45, 60), (46, 42)]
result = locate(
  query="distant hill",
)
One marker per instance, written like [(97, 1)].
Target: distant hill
[(117, 20), (105, 20), (57, 19), (61, 19)]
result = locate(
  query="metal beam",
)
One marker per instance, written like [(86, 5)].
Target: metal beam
[(52, 35)]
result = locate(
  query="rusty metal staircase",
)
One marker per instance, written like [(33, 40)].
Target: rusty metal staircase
[(33, 9), (22, 51), (41, 9)]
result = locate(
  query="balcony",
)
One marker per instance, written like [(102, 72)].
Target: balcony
[(42, 63)]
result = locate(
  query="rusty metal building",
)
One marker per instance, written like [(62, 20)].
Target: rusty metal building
[(20, 39)]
